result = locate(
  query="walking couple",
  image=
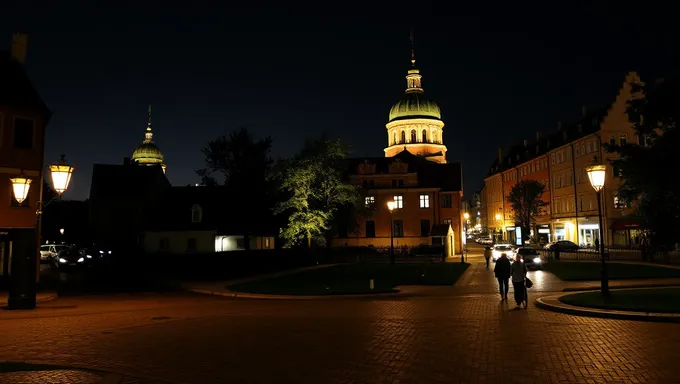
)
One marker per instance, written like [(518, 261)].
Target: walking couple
[(517, 271)]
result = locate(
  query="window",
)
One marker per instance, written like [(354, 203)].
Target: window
[(594, 145), (240, 243), (424, 200), (578, 176), (413, 135), (580, 199), (23, 133), (398, 228), (447, 221), (424, 136), (533, 167), (399, 200), (526, 170), (623, 139), (403, 137), (394, 138), (446, 201), (164, 244), (612, 140), (577, 150), (267, 243), (196, 213), (552, 159), (616, 171), (400, 183), (370, 228), (570, 179), (424, 228), (394, 183), (369, 200), (590, 204), (619, 203), (588, 147), (191, 244)]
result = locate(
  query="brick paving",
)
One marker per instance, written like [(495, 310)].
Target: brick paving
[(466, 336), (50, 377)]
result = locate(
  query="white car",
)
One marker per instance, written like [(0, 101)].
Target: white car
[(500, 249), (49, 251)]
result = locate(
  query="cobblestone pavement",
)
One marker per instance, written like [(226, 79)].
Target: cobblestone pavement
[(465, 335)]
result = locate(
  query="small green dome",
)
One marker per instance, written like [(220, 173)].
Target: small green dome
[(414, 105), (147, 153)]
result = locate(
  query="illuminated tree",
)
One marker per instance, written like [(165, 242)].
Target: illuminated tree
[(526, 202)]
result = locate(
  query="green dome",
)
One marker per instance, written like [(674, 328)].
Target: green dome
[(147, 153), (414, 105)]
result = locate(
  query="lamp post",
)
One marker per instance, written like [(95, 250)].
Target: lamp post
[(390, 206), (498, 222), (596, 175), (23, 296)]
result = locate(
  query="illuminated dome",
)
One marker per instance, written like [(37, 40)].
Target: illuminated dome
[(414, 106), (147, 153)]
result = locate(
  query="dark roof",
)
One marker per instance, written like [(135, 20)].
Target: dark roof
[(440, 230), (16, 88), (217, 207), (127, 181), (448, 176), (521, 153)]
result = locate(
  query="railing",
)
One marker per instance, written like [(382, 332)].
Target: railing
[(621, 253)]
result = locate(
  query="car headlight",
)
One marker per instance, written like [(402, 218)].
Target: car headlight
[(101, 251), (89, 256), (109, 252), (62, 260), (537, 260), (81, 259)]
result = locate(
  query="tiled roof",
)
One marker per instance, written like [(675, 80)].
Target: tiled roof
[(16, 88)]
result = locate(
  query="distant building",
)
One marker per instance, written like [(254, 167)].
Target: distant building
[(147, 153), (23, 119), (559, 161), (414, 173)]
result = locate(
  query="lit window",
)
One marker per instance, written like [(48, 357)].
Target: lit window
[(369, 200), (619, 203), (424, 200), (399, 201)]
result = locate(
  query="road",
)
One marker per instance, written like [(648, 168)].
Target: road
[(449, 335)]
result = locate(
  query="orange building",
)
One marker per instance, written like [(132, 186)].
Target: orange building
[(23, 117), (415, 175)]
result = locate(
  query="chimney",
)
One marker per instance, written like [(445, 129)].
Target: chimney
[(19, 47), (500, 154), (583, 111), (526, 143), (559, 125), (126, 161)]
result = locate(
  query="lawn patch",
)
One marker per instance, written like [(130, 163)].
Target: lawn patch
[(354, 279), (662, 300), (582, 271)]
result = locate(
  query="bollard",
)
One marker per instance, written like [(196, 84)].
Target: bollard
[(371, 284)]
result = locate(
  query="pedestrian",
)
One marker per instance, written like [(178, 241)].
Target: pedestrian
[(487, 255), (519, 273), (597, 244), (502, 272)]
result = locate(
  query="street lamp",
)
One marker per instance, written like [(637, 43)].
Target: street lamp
[(596, 175), (498, 222), (390, 206), (23, 296)]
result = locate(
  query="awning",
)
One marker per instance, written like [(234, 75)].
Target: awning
[(624, 224)]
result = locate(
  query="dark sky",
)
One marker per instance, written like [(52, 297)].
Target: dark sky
[(499, 72)]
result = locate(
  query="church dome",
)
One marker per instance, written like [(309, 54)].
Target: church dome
[(415, 105), (147, 153)]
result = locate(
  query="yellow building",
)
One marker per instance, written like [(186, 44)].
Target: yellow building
[(570, 150), (147, 153)]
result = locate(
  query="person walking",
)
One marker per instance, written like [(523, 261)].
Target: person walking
[(518, 271), (502, 272), (487, 255)]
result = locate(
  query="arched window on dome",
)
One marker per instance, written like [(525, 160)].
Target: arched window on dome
[(435, 138), (196, 214), (413, 135), (424, 136), (403, 137), (394, 141)]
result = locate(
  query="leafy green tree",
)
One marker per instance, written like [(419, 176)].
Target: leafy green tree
[(649, 178), (244, 166), (316, 191), (526, 202)]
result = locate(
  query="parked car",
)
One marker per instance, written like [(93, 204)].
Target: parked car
[(531, 257), (562, 245), (500, 249), (50, 251)]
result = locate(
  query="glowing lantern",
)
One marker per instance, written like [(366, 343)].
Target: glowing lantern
[(20, 186)]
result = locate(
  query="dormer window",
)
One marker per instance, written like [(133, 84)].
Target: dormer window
[(196, 214)]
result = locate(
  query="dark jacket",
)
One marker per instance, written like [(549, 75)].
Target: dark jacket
[(502, 268)]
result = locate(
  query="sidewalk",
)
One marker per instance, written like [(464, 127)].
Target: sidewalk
[(22, 373), (41, 297)]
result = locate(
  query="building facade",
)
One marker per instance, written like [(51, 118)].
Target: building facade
[(559, 161), (415, 175), (23, 118)]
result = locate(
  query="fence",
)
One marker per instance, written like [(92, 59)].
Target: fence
[(620, 253)]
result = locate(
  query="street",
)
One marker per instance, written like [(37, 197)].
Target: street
[(448, 334)]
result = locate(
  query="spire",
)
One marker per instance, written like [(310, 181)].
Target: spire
[(148, 136), (413, 77)]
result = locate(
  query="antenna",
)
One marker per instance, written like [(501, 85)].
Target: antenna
[(413, 48)]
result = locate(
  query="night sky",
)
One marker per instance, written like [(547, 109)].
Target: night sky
[(499, 74)]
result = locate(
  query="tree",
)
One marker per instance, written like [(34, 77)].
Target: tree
[(525, 199), (316, 190), (244, 165), (649, 177)]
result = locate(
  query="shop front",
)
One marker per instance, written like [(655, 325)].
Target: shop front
[(542, 233), (626, 232), (588, 234)]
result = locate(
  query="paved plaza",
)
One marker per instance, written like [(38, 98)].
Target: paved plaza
[(448, 335)]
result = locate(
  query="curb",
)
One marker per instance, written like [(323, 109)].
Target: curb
[(49, 297), (552, 303), (245, 295), (584, 289)]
